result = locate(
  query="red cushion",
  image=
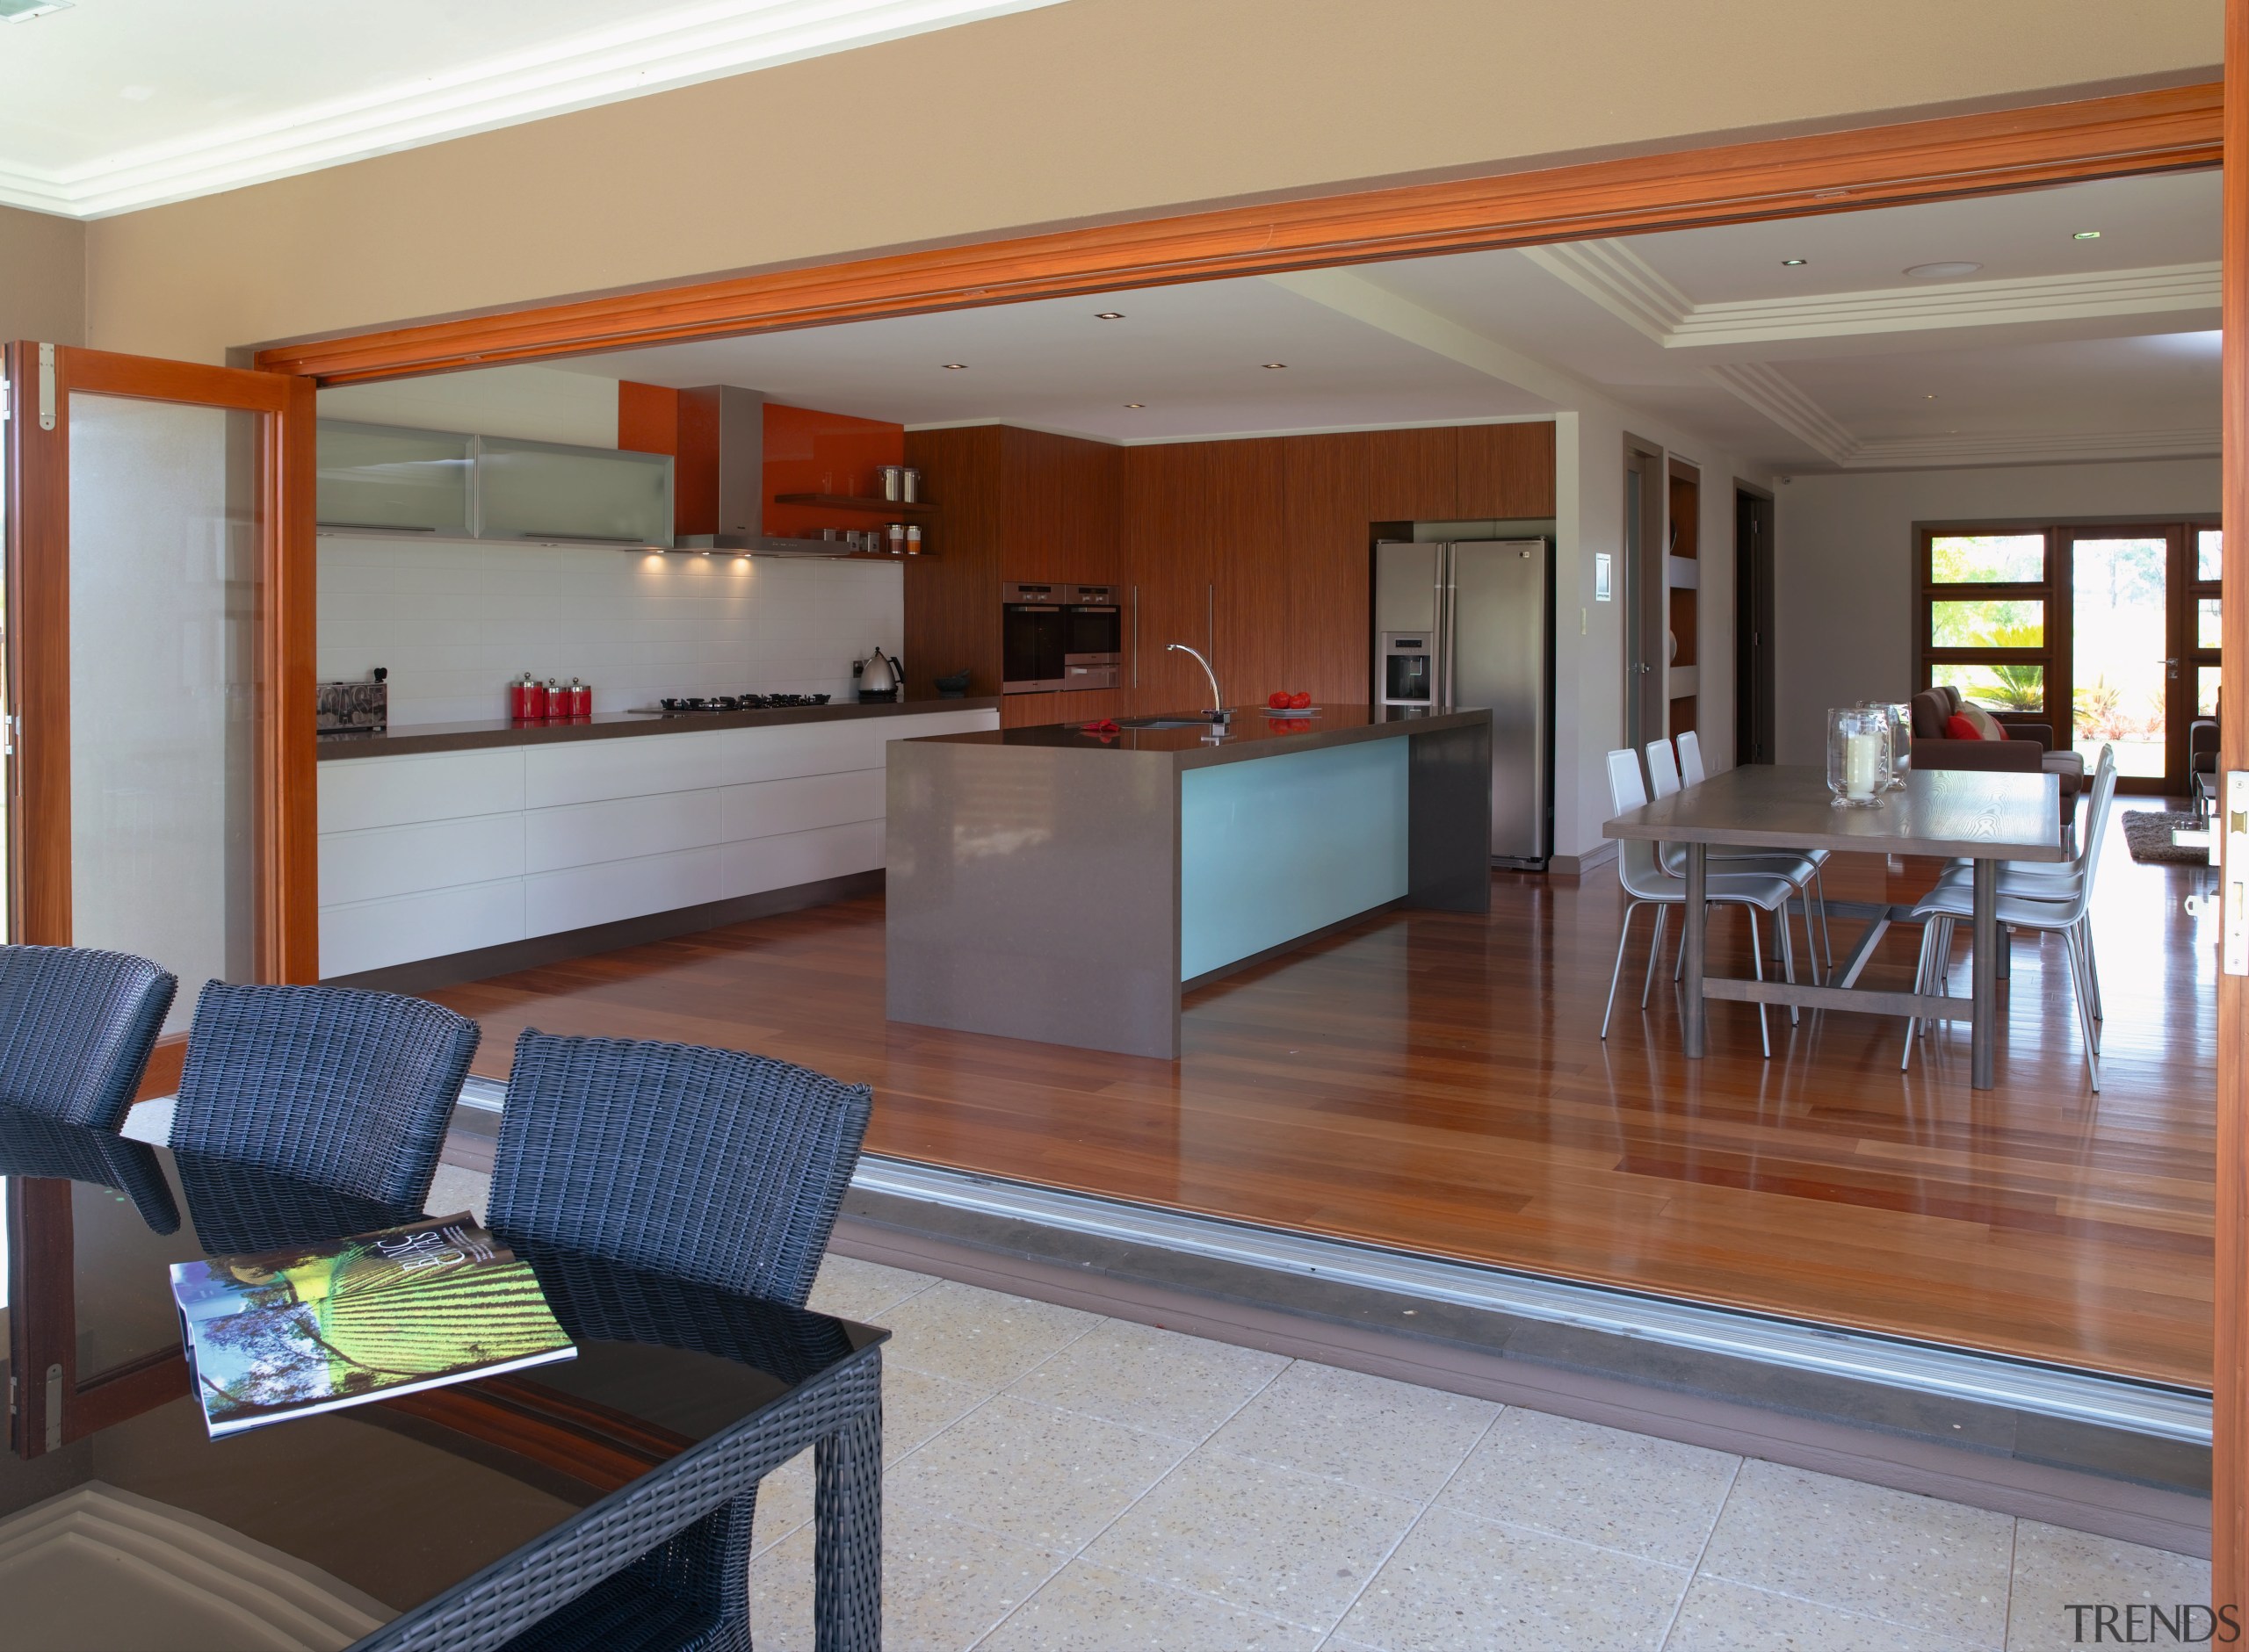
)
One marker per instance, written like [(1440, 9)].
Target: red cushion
[(1959, 728)]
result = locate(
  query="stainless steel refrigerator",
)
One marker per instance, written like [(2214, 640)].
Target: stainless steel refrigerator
[(1470, 624)]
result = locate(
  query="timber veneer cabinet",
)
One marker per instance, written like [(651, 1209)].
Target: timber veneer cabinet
[(1255, 549)]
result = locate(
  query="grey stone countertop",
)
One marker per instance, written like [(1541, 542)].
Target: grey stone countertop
[(1251, 734), (411, 738)]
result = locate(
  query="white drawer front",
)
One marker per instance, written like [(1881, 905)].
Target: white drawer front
[(774, 806), (374, 934), (593, 771), (411, 859), (803, 857), (360, 792), (584, 895), (588, 833)]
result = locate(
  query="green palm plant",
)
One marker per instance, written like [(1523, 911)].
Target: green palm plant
[(2015, 687)]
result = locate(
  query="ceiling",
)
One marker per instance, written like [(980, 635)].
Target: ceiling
[(2056, 349), (109, 105)]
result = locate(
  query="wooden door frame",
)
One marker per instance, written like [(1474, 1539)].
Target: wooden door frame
[(1952, 157), (2230, 1443), (286, 892)]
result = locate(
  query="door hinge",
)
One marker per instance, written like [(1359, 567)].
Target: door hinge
[(47, 386)]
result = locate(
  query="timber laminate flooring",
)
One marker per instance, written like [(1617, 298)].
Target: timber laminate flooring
[(1435, 1082)]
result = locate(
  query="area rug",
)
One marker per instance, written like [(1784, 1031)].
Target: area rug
[(2149, 836)]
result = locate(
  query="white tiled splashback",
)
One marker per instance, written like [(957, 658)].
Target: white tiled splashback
[(454, 624)]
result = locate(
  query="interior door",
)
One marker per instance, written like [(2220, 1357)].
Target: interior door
[(160, 665)]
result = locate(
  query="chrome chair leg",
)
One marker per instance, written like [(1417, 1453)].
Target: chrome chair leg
[(2085, 1013), (1920, 985), (1624, 935), (2091, 969), (1757, 969), (1788, 953), (1827, 941), (1655, 951)]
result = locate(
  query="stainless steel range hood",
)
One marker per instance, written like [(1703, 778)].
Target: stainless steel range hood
[(721, 478)]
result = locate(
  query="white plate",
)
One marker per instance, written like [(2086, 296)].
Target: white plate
[(1307, 711)]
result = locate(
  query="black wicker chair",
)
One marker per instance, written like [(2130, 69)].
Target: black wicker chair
[(75, 1030), (349, 1089), (706, 1165)]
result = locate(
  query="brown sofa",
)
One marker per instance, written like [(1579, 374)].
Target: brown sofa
[(2028, 749)]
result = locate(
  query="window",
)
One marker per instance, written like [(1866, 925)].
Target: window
[(2203, 595), (1984, 621)]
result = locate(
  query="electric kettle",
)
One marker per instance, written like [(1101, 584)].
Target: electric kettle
[(878, 676)]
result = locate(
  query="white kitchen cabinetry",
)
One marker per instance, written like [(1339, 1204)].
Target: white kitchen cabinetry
[(426, 855)]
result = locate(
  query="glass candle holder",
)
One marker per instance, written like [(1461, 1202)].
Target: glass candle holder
[(1899, 729), (1858, 756)]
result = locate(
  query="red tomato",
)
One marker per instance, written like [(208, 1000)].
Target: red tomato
[(1299, 700), (1278, 700)]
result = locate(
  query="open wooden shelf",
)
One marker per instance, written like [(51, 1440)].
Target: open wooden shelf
[(845, 502)]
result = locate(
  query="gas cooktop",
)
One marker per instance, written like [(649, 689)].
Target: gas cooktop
[(704, 705)]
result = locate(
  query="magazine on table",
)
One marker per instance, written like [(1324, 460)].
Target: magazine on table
[(318, 1327)]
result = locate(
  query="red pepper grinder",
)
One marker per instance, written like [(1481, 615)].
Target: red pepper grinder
[(534, 700), (518, 697), (581, 699)]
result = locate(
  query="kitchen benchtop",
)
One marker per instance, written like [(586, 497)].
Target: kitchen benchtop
[(1251, 734), (414, 739)]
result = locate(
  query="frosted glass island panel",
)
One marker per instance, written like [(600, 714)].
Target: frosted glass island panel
[(1275, 850)]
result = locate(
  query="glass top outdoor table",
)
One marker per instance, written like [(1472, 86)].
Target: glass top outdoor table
[(611, 1493), (1982, 817)]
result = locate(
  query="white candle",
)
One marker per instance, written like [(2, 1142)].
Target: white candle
[(1860, 752)]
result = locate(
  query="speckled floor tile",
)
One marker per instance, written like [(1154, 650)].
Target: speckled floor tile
[(916, 1406), (852, 1289), (1088, 1608), (944, 1584), (1037, 1474), (1882, 1554), (2054, 1566), (1722, 1617), (784, 1502), (980, 1338), (1257, 1535), (1460, 1584), (1152, 1379), (1650, 1497), (453, 1190), (1388, 1437)]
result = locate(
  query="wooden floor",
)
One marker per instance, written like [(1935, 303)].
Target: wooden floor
[(1436, 1081)]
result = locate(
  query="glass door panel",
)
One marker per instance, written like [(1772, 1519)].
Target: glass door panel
[(163, 618), (2121, 653)]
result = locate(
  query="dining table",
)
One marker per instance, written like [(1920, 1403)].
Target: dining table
[(604, 1500), (1984, 818)]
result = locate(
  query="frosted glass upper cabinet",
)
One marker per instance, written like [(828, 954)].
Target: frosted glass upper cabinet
[(546, 492), (383, 479)]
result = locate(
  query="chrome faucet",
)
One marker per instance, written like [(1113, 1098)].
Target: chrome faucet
[(1217, 712)]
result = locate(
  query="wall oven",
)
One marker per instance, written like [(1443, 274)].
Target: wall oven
[(1057, 636), (1092, 637), (1031, 638)]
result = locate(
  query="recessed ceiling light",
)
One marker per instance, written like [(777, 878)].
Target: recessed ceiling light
[(1941, 271), (2086, 234), (1108, 315), (956, 366), (1930, 397), (25, 11), (1273, 367), (1790, 263), (1136, 404)]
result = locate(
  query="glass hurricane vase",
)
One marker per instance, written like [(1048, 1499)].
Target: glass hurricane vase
[(1858, 756)]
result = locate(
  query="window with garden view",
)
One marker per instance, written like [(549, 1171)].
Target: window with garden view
[(2097, 634)]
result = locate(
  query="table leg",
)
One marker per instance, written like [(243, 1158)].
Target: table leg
[(1986, 1008), (1697, 915), (846, 1530)]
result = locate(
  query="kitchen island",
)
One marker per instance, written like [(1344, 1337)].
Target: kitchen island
[(1064, 885)]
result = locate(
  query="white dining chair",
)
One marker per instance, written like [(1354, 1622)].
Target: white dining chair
[(1644, 880), (1691, 773), (1798, 870), (2063, 909)]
